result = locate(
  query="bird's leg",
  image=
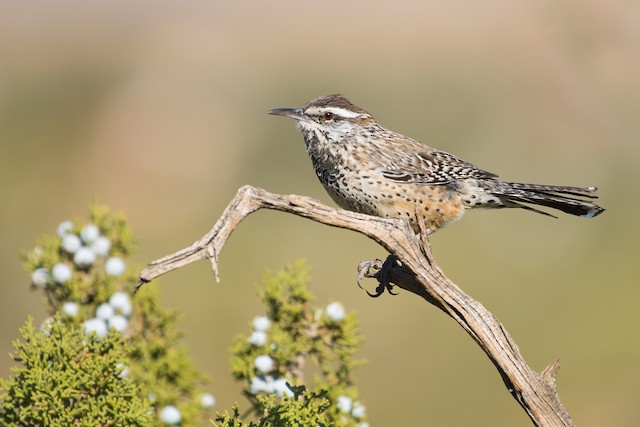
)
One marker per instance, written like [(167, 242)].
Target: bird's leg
[(423, 234)]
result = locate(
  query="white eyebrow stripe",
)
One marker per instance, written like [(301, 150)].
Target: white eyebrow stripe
[(340, 112)]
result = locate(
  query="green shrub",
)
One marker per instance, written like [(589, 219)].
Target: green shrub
[(68, 378), (293, 342), (129, 348)]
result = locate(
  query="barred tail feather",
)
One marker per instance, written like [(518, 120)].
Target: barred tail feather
[(552, 197), (590, 192)]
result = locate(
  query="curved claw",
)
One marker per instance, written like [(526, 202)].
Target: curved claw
[(379, 291), (363, 269)]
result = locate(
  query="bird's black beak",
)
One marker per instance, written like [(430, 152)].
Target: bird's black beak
[(294, 113)]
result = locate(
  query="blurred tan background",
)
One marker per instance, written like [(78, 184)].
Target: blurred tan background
[(158, 108)]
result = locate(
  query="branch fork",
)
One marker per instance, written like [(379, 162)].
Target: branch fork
[(411, 267)]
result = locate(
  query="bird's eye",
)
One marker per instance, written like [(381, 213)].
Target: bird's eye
[(328, 115)]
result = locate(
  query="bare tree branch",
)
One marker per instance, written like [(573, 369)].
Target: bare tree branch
[(410, 267)]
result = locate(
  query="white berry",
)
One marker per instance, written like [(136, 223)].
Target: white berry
[(207, 400), (96, 325), (344, 404), (89, 233), (358, 410), (258, 384), (170, 415), (261, 323), (118, 322), (64, 228), (46, 325), (258, 338), (281, 388), (262, 383), (104, 311), (84, 257), (71, 243), (101, 246), (335, 311), (40, 277), (121, 303), (114, 266), (70, 308), (61, 273), (263, 363)]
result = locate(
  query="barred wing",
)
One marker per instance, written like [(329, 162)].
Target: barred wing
[(413, 162)]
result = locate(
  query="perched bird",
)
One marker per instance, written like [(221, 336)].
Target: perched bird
[(370, 169)]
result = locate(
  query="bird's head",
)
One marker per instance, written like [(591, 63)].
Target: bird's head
[(331, 118)]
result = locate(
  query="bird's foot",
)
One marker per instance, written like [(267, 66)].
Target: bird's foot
[(380, 271)]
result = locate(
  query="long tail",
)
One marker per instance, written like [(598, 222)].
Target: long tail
[(513, 194)]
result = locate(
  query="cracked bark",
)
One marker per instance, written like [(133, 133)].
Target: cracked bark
[(410, 267)]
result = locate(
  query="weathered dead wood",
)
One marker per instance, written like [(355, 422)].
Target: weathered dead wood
[(412, 268)]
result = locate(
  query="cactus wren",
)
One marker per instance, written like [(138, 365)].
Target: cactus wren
[(369, 169)]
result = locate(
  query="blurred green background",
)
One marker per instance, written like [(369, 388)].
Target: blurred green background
[(158, 108)]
